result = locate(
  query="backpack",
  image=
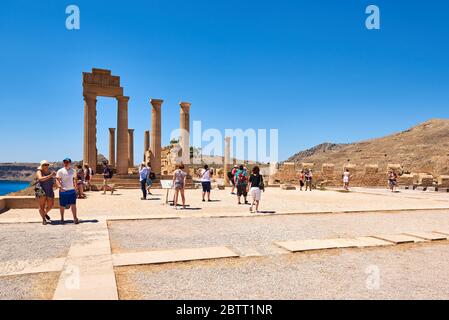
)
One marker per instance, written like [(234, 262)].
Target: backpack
[(241, 178)]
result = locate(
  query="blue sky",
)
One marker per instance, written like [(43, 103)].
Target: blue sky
[(308, 68)]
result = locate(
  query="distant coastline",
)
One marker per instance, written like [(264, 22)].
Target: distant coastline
[(8, 186)]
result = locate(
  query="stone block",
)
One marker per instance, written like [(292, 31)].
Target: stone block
[(406, 180), (288, 187), (443, 181), (425, 180)]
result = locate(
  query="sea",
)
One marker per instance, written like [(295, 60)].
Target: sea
[(12, 186)]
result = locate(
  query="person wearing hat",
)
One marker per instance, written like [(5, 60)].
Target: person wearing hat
[(45, 181), (66, 182)]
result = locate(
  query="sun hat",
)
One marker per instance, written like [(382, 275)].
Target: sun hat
[(42, 163)]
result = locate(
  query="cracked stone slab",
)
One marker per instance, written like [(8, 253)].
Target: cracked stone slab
[(167, 256), (12, 268), (317, 244), (399, 238), (431, 236)]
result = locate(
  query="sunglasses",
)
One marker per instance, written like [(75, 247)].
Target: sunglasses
[(45, 165)]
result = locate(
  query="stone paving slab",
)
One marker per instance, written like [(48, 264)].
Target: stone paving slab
[(317, 244), (167, 256), (87, 278), (443, 232), (431, 236), (363, 242), (11, 268), (399, 238)]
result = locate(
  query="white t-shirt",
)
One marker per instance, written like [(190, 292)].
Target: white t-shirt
[(205, 175), (66, 178)]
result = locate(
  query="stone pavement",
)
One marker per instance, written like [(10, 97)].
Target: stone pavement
[(87, 271)]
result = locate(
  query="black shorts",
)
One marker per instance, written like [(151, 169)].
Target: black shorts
[(206, 186), (241, 190), (301, 183)]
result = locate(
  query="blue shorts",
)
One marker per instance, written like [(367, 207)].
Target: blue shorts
[(206, 186), (67, 198)]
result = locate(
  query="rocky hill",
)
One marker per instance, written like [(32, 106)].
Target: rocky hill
[(423, 148)]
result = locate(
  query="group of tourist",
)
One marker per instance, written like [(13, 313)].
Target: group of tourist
[(247, 183), (71, 184), (305, 179), (66, 180)]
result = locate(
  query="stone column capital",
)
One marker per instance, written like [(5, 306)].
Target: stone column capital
[(156, 102), (185, 105), (111, 129), (90, 96), (122, 98), (131, 130), (227, 139)]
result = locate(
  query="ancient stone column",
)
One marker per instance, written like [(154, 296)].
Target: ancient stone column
[(227, 160), (156, 135), (146, 141), (185, 131), (130, 148), (122, 135), (112, 147), (90, 130)]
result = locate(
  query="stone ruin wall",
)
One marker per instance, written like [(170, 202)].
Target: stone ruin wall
[(361, 175)]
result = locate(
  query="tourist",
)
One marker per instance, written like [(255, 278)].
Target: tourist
[(206, 175), (88, 173), (241, 181), (309, 179), (80, 179), (45, 181), (346, 179), (179, 182), (301, 180), (150, 179), (66, 182), (143, 176), (231, 176), (256, 188), (392, 180), (107, 176)]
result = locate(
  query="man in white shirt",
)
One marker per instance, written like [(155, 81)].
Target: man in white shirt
[(65, 180)]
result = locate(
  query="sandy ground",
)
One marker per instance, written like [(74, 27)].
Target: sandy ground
[(39, 286), (403, 272), (259, 233)]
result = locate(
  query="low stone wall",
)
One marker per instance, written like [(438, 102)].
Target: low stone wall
[(2, 205), (20, 202), (369, 175)]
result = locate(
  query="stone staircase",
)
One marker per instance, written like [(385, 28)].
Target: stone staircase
[(131, 181)]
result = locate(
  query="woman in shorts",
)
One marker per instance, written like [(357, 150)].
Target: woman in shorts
[(45, 181), (179, 182)]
